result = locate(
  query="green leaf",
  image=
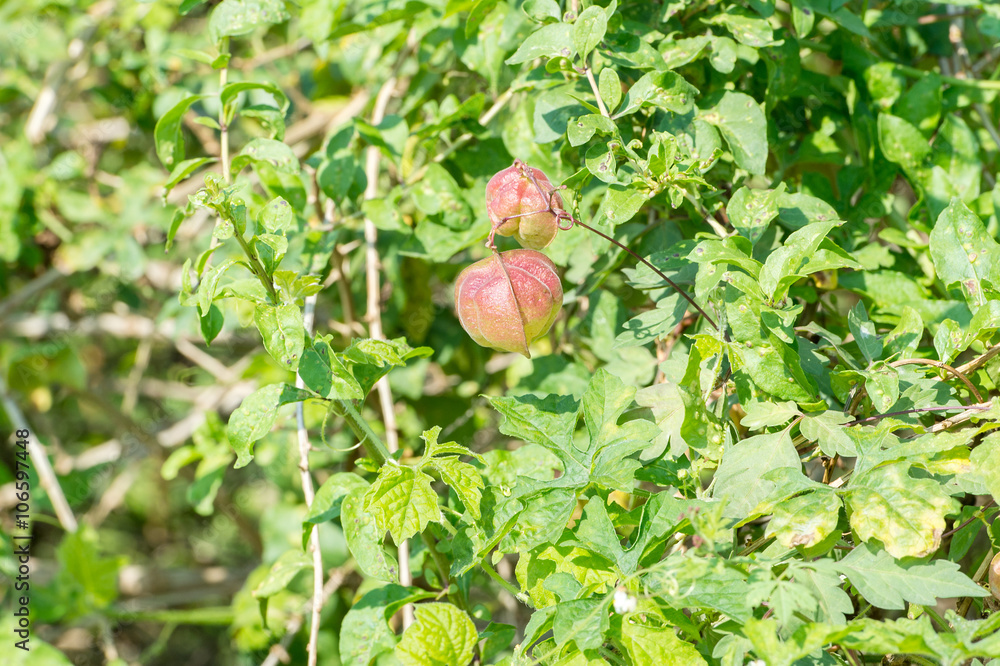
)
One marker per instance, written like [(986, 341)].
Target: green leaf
[(552, 40), (652, 324), (463, 478), (885, 583), (284, 569), (751, 211), (181, 171), (323, 372), (745, 27), (605, 401), (588, 30), (740, 477), (477, 14), (666, 90), (232, 90), (621, 203), (94, 575), (364, 539), (583, 621), (381, 17), (548, 421), (678, 53), (327, 502), (882, 386), (829, 431), (864, 332), (438, 193), (726, 251), (964, 253), (805, 520), (210, 284), (788, 263), (255, 416), (742, 124), (823, 581), (402, 501), (543, 518), (188, 5), (901, 142), (277, 216), (775, 367), (905, 513), (906, 336), (266, 151), (805, 640), (803, 18), (232, 18), (270, 249), (921, 104), (370, 359), (441, 634), (797, 209), (610, 87), (389, 136), (540, 10), (601, 162), (365, 632), (283, 332), (581, 130), (270, 119), (211, 324), (985, 460), (168, 136), (768, 414)]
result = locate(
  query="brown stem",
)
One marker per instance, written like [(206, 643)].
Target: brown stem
[(656, 270), (563, 215), (976, 516), (943, 366), (981, 407)]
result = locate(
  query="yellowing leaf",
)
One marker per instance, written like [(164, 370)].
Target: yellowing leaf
[(905, 513), (402, 501), (442, 634)]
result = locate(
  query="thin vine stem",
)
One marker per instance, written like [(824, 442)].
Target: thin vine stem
[(981, 407), (503, 582), (656, 270), (257, 268), (562, 215), (976, 516)]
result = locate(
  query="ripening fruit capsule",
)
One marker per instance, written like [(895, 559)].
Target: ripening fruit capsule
[(511, 193), (509, 300)]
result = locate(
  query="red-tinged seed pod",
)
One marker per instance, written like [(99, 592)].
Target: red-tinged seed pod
[(509, 300), (521, 202)]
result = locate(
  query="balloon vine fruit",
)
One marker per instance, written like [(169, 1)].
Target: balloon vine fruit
[(522, 203), (509, 300)]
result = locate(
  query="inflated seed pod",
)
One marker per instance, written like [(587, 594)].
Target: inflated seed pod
[(509, 300), (520, 201)]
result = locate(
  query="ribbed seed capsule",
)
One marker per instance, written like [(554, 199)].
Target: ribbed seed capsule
[(509, 300), (519, 207)]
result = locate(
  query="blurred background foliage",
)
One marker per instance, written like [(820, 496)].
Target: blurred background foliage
[(111, 371)]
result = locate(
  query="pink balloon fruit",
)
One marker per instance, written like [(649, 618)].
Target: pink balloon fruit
[(519, 207), (509, 300)]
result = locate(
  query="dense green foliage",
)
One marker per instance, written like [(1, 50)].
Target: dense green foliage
[(798, 466)]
